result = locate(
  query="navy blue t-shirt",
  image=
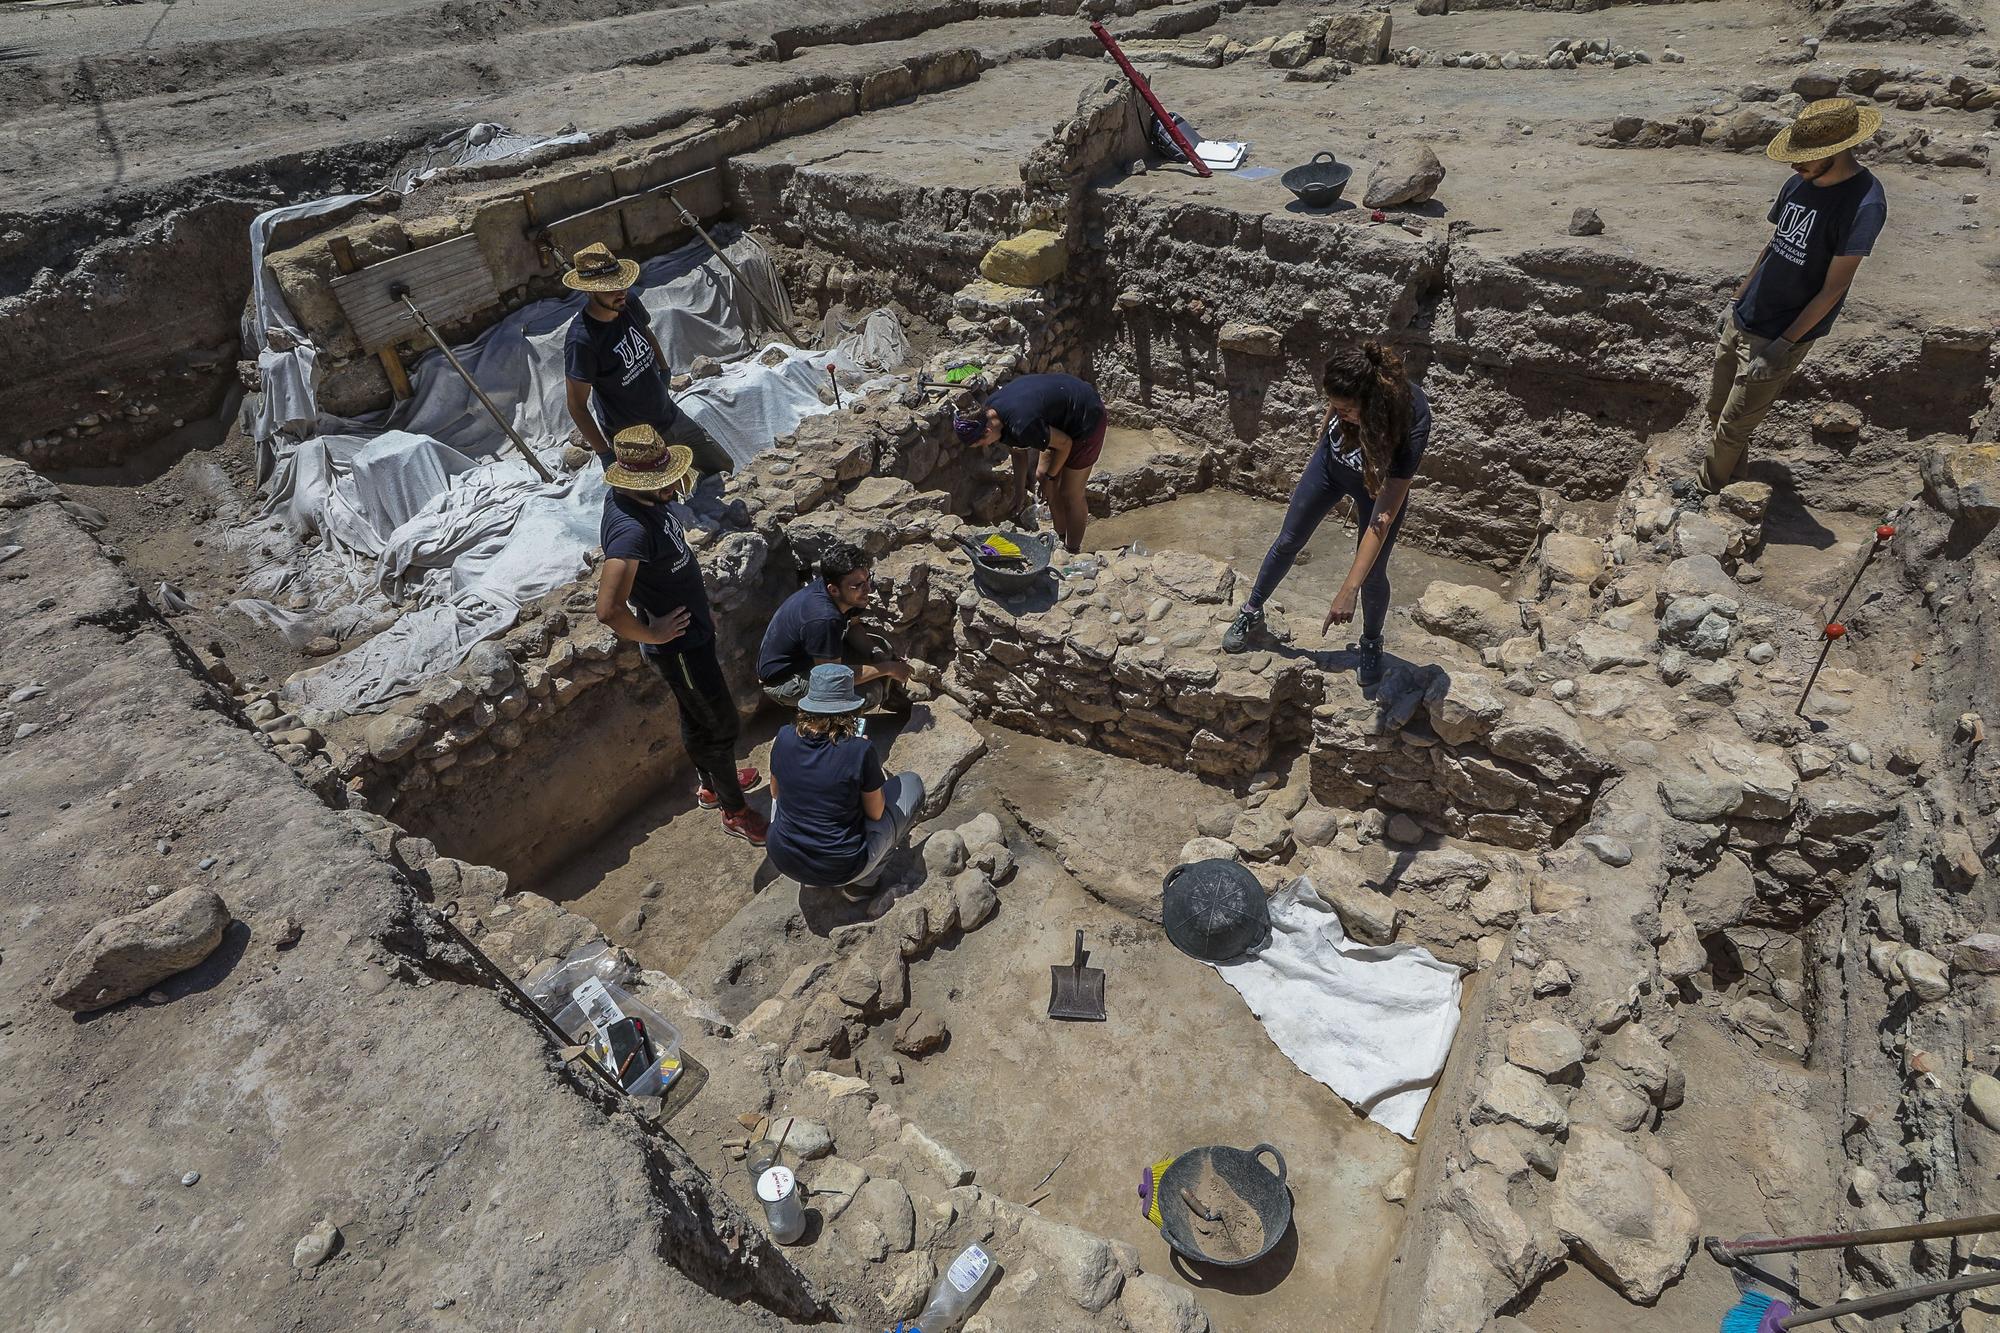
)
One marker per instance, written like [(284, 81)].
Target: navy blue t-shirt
[(807, 629), (1028, 406), (1814, 224), (615, 357), (1404, 465), (820, 834), (669, 576)]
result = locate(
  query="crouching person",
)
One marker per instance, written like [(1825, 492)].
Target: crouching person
[(835, 817), (821, 624)]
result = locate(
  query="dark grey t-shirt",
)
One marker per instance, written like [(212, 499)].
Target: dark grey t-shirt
[(615, 357), (1814, 224)]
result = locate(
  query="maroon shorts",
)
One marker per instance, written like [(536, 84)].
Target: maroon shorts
[(1083, 454)]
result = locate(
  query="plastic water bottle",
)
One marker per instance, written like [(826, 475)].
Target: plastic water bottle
[(957, 1290)]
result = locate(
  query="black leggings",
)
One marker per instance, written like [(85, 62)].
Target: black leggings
[(709, 725), (1318, 491)]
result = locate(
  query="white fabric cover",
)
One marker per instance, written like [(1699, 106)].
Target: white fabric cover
[(1374, 1023), (423, 526)]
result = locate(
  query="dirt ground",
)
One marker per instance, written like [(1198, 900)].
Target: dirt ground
[(1180, 1062)]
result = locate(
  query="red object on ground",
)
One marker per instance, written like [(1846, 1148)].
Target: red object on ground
[(1835, 630), (1885, 532), (1378, 216), (1146, 91)]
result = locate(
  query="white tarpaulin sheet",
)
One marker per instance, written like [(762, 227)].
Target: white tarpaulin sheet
[(1374, 1023), (423, 527)]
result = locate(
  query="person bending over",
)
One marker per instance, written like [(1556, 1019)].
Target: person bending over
[(1370, 443), (835, 818), (1061, 420), (820, 624), (650, 593), (615, 368)]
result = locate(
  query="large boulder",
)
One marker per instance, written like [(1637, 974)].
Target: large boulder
[(1027, 260), (938, 747), (1964, 480), (130, 954), (1477, 617), (1626, 1218), (1409, 175), (1361, 39)]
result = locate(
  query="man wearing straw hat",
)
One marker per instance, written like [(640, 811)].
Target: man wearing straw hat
[(1827, 217), (612, 356), (650, 593)]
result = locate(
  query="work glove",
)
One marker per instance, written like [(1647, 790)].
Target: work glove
[(1767, 363), (1727, 322)]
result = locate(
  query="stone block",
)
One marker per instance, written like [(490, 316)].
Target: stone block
[(1027, 260)]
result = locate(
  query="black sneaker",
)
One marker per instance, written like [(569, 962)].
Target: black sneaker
[(1369, 669), (1237, 637)]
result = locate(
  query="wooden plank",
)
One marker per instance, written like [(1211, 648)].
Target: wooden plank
[(392, 364), (449, 280)]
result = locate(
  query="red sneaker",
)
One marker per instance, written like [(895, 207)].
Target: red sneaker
[(746, 824), (747, 778)]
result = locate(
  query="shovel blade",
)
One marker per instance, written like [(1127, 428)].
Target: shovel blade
[(1075, 991)]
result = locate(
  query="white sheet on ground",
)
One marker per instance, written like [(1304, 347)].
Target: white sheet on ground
[(422, 526), (1374, 1023)]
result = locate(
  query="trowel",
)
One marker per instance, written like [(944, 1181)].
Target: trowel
[(1076, 991)]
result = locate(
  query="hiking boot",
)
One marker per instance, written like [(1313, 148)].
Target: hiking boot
[(748, 778), (746, 824), (1368, 669), (1237, 637)]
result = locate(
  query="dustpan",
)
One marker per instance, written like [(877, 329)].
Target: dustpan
[(1076, 991)]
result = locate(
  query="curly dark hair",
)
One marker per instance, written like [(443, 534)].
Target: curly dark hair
[(841, 559), (1371, 373)]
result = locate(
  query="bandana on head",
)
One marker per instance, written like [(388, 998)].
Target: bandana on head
[(971, 429)]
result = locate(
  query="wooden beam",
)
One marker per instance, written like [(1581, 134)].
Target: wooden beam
[(399, 378), (449, 280)]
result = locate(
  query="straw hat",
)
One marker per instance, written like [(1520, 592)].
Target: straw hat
[(595, 269), (645, 461), (1828, 126)]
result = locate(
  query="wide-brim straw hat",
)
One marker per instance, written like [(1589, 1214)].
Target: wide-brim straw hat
[(645, 461), (595, 269), (830, 689), (1828, 126)]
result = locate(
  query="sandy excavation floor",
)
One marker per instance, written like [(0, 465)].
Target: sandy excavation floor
[(1180, 1062)]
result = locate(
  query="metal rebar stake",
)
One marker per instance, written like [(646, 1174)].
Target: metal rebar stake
[(402, 293), (776, 321)]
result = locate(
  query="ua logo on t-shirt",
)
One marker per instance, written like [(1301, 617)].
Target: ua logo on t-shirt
[(635, 353), (1794, 226)]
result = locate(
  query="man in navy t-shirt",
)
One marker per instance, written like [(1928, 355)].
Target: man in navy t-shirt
[(815, 626), (614, 363), (1827, 218), (1062, 420), (650, 593)]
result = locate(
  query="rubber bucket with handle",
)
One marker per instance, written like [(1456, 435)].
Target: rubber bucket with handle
[(1256, 1184)]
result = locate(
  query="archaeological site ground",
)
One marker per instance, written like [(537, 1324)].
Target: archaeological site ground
[(323, 786)]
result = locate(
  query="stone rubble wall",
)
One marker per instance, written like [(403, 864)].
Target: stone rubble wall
[(486, 760)]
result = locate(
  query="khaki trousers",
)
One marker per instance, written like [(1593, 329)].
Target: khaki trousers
[(1737, 403)]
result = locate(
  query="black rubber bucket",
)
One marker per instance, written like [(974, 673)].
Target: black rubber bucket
[(1253, 1182)]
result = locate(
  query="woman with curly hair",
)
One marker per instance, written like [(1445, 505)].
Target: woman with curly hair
[(1370, 443)]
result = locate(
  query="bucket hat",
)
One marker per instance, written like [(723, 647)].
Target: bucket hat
[(1214, 910), (830, 689), (595, 269), (1828, 126), (645, 461)]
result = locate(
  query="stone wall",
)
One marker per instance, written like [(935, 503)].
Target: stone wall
[(1459, 757), (551, 734)]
